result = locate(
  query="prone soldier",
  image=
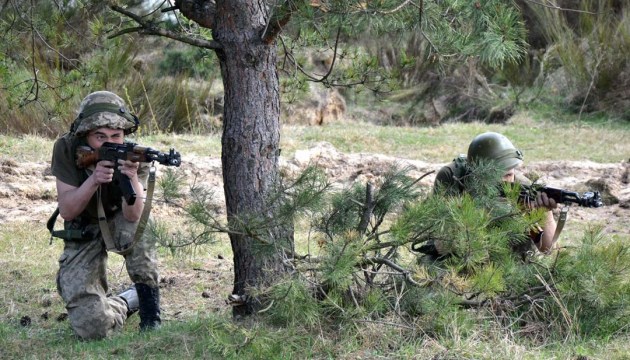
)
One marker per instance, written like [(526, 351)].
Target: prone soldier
[(496, 148)]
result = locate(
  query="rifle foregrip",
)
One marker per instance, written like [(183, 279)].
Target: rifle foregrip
[(558, 195)]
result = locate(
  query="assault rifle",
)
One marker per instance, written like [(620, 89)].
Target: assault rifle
[(587, 199), (87, 156), (527, 194)]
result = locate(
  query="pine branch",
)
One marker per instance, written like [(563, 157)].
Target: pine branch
[(279, 19), (404, 272), (556, 7), (150, 28), (368, 208)]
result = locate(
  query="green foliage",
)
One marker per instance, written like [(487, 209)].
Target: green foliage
[(438, 36), (114, 63), (201, 209), (592, 46), (593, 284), (45, 71), (171, 184), (489, 280), (375, 303), (292, 304), (194, 62), (69, 55), (170, 105), (302, 195), (343, 254)]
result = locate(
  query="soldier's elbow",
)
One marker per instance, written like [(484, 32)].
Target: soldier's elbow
[(66, 214)]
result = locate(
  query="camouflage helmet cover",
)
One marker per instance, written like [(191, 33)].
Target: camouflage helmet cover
[(103, 109), (496, 147)]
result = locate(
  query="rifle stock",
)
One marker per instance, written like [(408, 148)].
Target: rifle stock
[(87, 156)]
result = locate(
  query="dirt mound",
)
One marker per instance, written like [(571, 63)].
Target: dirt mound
[(27, 189)]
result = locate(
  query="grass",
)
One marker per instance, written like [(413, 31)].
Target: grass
[(539, 139), (541, 135), (200, 326)]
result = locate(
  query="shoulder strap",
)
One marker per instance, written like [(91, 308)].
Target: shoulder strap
[(50, 224), (144, 217)]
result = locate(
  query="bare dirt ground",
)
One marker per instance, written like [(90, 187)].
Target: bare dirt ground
[(28, 196), (27, 189)]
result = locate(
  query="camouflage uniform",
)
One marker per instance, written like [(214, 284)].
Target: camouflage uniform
[(449, 178), (82, 280)]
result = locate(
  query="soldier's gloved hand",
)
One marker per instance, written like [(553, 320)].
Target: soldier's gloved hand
[(103, 172), (128, 168), (542, 200)]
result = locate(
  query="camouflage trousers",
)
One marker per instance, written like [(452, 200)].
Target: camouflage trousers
[(82, 283)]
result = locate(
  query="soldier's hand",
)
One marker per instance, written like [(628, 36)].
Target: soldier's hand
[(129, 168), (542, 200), (103, 172)]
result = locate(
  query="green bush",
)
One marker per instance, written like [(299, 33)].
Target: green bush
[(190, 61)]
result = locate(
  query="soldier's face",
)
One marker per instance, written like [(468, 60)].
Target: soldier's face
[(97, 137), (509, 176)]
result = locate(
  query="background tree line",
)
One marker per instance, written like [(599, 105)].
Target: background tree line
[(571, 56)]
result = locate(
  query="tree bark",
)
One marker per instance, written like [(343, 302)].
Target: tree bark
[(251, 137)]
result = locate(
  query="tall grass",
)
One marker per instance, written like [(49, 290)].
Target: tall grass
[(593, 51), (45, 102)]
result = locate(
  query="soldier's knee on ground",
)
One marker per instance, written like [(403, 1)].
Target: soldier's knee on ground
[(94, 319), (92, 327)]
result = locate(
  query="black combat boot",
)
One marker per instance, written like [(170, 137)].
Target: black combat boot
[(131, 298), (149, 306)]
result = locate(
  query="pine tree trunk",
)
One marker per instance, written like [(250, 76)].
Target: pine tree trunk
[(251, 136)]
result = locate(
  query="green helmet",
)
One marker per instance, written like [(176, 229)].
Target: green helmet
[(103, 109), (496, 147)]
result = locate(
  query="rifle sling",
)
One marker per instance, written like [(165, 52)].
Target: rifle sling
[(102, 220), (50, 225), (144, 218), (561, 220)]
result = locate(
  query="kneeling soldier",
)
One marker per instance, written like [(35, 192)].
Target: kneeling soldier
[(91, 203)]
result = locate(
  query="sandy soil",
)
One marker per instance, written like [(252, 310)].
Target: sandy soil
[(27, 189)]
